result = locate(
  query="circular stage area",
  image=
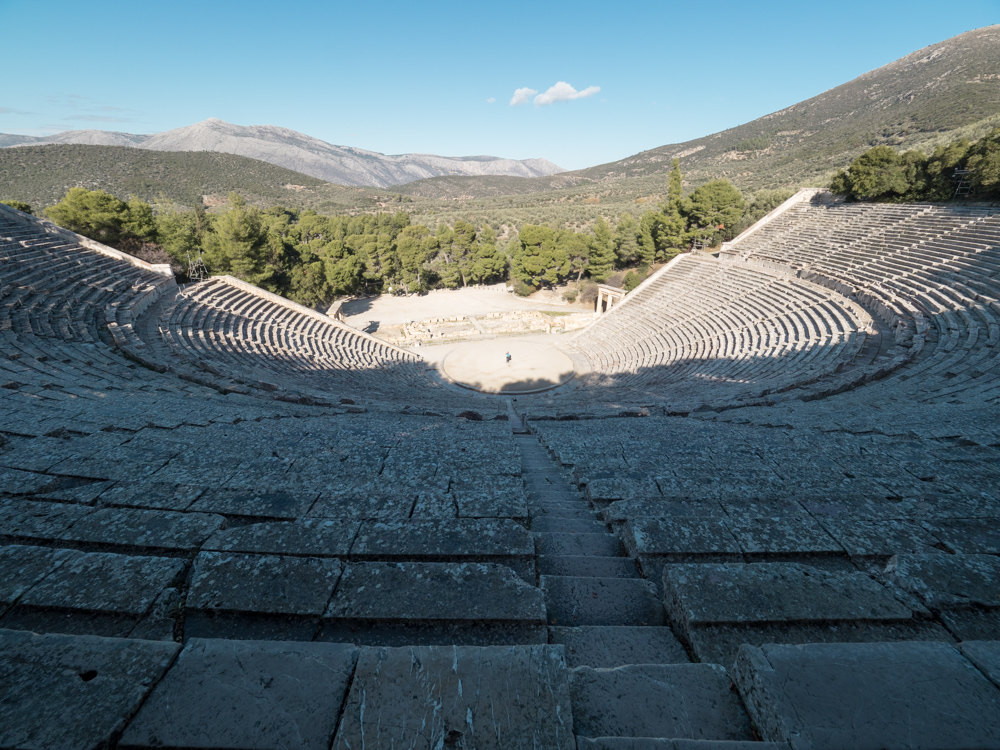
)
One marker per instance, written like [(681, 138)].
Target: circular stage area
[(483, 366)]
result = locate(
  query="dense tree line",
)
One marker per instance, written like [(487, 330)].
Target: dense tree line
[(313, 259), (884, 174)]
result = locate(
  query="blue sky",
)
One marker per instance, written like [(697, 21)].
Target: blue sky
[(439, 77)]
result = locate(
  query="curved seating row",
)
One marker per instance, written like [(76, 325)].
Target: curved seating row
[(723, 330)]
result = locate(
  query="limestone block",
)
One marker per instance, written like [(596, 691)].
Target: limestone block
[(884, 537), (33, 520), (104, 582), (256, 503), (773, 592), (682, 536), (63, 692), (690, 701), (968, 535), (381, 505), (263, 584), (252, 695), (946, 581), (489, 698), (986, 656), (155, 529), (868, 696), (429, 592), (446, 539), (782, 534), (152, 495), (314, 537), (21, 567)]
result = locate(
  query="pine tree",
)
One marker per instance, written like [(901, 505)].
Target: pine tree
[(602, 252)]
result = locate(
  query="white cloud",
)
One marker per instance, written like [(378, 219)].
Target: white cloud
[(522, 96), (563, 92), (491, 100)]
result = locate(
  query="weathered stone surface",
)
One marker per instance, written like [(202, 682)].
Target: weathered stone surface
[(972, 624), (600, 544), (576, 600), (943, 581), (782, 534), (259, 504), (413, 592), (690, 701), (617, 645), (652, 743), (587, 565), (968, 536), (16, 482), (660, 507), (986, 656), (773, 592), (681, 536), (871, 696), (430, 697), (246, 694), (312, 537), (104, 582), (21, 567), (152, 495), (155, 529), (61, 692), (881, 537), (29, 520), (382, 504), (480, 540), (266, 584)]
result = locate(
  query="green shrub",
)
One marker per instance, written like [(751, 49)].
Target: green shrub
[(19, 205), (632, 280)]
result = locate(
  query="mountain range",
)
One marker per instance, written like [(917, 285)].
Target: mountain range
[(286, 148)]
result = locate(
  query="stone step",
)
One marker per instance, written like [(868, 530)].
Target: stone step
[(577, 600), (567, 494), (617, 645), (676, 701), (557, 543), (568, 503), (583, 513), (897, 695), (588, 566), (568, 526), (716, 607), (661, 743)]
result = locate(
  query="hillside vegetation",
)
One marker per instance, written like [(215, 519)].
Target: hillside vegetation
[(41, 175)]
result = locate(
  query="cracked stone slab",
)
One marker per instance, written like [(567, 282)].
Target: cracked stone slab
[(163, 495), (377, 505), (689, 701), (868, 696), (947, 581), (63, 692), (21, 567), (681, 536), (154, 529), (576, 600), (104, 582), (375, 600), (885, 538), (986, 656), (707, 593), (617, 645), (431, 697), (246, 695), (256, 503), (782, 534), (38, 520), (968, 535), (265, 584), (311, 537), (491, 505)]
